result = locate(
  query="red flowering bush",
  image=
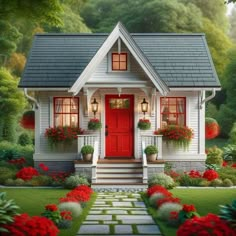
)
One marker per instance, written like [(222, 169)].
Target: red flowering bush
[(194, 174), (24, 225), (167, 199), (51, 207), (62, 134), (43, 167), (84, 188), (68, 199), (144, 124), (52, 213), (224, 163), (94, 124), (59, 177), (212, 129), (180, 136), (27, 120), (158, 189), (188, 208), (66, 215), (233, 165), (208, 225), (27, 173), (210, 175), (18, 162), (81, 196), (174, 175)]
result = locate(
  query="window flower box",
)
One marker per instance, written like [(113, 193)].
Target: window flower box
[(94, 124), (144, 124), (179, 136)]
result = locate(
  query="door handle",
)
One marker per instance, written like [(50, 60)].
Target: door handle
[(106, 132)]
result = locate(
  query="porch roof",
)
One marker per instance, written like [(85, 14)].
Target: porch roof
[(180, 60)]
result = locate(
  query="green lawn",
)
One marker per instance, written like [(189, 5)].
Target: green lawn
[(32, 201), (205, 201)]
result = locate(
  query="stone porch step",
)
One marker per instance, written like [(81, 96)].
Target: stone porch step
[(119, 169), (119, 174), (120, 186), (119, 180)]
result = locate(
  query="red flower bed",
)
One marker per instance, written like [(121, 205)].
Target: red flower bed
[(84, 188), (210, 175), (212, 128), (68, 199), (24, 225), (59, 176), (51, 207), (79, 195), (188, 208), (27, 173), (158, 189), (167, 199), (208, 225), (194, 174), (43, 167)]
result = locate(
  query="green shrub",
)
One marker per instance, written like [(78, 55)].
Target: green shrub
[(162, 179), (204, 183), (41, 180), (7, 151), (75, 180), (216, 183), (8, 210), (186, 180), (8, 165), (6, 173), (227, 173), (19, 182), (214, 156), (232, 134), (24, 139), (228, 213), (227, 183), (74, 207), (151, 149), (154, 198), (165, 209), (10, 182), (230, 153)]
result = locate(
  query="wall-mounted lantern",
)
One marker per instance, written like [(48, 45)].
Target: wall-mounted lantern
[(94, 107), (144, 107)]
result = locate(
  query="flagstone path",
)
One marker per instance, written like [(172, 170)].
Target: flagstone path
[(119, 214)]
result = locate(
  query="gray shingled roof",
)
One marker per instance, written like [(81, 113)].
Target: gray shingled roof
[(181, 60)]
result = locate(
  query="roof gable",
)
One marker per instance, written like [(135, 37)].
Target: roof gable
[(119, 32)]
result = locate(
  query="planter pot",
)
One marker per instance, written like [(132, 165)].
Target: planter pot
[(87, 157), (152, 157)]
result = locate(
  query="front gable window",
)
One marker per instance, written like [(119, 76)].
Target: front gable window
[(119, 61), (173, 111), (66, 111)]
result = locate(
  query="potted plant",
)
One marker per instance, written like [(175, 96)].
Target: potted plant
[(179, 136), (151, 152), (94, 124), (87, 152), (144, 124)]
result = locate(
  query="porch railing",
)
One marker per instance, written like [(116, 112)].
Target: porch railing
[(94, 163)]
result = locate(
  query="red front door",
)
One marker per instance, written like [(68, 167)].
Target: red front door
[(119, 125)]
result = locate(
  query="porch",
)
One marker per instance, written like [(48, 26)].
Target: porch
[(132, 171)]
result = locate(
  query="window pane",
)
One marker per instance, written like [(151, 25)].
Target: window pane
[(58, 105), (115, 57), (181, 119), (115, 66), (172, 101), (123, 57), (74, 121), (122, 65), (58, 120), (74, 105), (119, 103), (66, 120), (172, 109)]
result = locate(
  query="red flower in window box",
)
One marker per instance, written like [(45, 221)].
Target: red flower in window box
[(144, 124), (24, 225), (27, 173), (180, 136), (210, 175), (94, 124), (212, 129), (27, 120), (62, 134)]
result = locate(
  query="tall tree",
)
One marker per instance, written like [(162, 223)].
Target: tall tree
[(232, 22)]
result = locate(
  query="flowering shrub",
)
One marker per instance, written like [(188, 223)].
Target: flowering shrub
[(94, 124), (66, 215), (84, 188), (207, 225), (52, 213), (187, 212), (27, 173), (194, 174), (167, 199), (212, 129), (144, 124), (158, 189), (59, 177), (62, 134), (81, 196), (27, 120), (24, 225), (210, 175), (68, 199), (43, 167), (180, 136), (18, 162), (51, 207)]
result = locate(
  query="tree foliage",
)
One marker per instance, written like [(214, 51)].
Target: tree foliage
[(232, 22)]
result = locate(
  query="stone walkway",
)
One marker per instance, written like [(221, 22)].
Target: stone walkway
[(118, 214)]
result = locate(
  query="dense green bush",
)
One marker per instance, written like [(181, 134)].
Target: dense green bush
[(214, 156), (227, 173), (186, 180), (41, 180), (19, 182), (166, 208), (75, 180), (227, 183), (216, 183), (24, 139), (161, 179), (232, 134), (6, 173), (230, 153)]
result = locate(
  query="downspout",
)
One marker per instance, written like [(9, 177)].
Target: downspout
[(208, 98), (31, 98)]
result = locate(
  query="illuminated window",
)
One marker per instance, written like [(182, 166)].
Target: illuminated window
[(119, 61), (173, 111), (119, 103), (66, 112)]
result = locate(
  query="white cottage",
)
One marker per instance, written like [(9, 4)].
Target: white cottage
[(70, 73)]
